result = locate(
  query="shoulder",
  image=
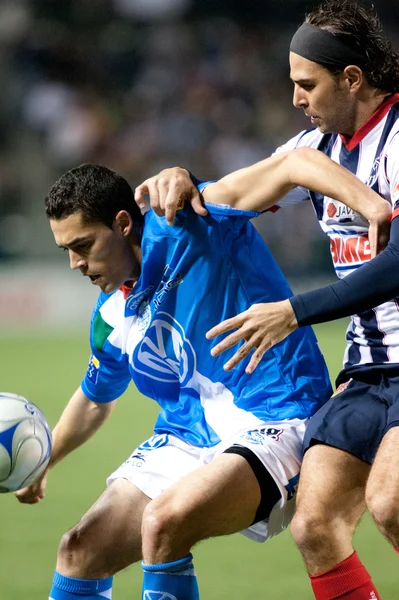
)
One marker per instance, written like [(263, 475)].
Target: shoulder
[(109, 307), (310, 138)]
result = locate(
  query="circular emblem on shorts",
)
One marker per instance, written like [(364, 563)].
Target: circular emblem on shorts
[(151, 595)]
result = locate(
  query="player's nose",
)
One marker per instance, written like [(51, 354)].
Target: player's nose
[(299, 99), (75, 261)]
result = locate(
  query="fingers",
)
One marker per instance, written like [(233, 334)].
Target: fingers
[(373, 239), (197, 205), (29, 498), (224, 327), (139, 195), (168, 191)]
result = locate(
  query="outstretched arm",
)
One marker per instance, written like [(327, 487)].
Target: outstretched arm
[(260, 186), (79, 421)]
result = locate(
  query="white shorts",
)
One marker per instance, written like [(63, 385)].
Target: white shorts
[(164, 459)]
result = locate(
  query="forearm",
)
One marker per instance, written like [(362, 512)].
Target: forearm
[(375, 282), (80, 419), (260, 186), (314, 170)]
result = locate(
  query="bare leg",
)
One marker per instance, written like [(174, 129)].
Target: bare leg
[(382, 493), (108, 537), (330, 503), (217, 499)]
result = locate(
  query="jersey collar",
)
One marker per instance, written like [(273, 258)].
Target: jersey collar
[(126, 289), (351, 142)]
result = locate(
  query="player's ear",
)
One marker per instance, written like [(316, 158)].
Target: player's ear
[(354, 76), (123, 222)]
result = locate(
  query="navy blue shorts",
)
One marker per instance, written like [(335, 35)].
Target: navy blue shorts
[(358, 415)]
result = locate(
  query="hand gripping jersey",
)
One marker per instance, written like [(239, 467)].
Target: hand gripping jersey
[(194, 275), (373, 155)]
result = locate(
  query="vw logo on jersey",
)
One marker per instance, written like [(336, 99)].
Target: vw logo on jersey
[(164, 353), (152, 595)]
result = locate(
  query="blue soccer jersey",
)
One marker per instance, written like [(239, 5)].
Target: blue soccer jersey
[(194, 275)]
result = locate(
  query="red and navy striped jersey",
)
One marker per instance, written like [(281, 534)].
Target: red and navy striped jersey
[(373, 155)]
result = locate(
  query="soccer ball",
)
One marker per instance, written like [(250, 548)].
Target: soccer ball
[(25, 442)]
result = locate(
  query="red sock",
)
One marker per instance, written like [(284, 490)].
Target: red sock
[(396, 550), (349, 580)]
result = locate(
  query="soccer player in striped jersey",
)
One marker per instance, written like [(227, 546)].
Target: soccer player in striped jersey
[(346, 79), (226, 449)]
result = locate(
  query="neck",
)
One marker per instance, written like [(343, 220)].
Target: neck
[(365, 109)]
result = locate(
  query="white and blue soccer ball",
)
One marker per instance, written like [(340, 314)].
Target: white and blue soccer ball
[(25, 442)]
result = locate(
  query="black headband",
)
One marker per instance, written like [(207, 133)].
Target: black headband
[(325, 48)]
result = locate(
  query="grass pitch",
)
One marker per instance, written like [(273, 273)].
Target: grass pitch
[(47, 370)]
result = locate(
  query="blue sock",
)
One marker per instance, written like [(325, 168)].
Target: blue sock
[(175, 580), (70, 588)]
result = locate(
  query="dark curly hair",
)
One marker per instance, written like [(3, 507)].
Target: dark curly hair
[(97, 193), (361, 29)]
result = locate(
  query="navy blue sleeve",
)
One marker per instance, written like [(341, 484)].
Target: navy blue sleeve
[(372, 284)]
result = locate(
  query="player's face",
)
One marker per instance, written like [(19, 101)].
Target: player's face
[(109, 257), (323, 97)]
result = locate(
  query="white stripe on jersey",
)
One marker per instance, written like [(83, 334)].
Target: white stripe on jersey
[(372, 336)]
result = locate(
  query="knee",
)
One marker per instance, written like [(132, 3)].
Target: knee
[(385, 511), (74, 552), (160, 522), (309, 529)]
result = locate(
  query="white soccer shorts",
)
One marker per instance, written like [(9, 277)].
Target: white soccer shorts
[(164, 459)]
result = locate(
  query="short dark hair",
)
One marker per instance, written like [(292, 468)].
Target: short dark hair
[(363, 29), (97, 193)]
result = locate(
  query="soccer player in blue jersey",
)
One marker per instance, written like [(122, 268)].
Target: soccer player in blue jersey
[(346, 79), (226, 449)]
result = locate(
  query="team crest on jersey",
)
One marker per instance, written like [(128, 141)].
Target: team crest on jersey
[(93, 369), (144, 316), (373, 177), (164, 353), (134, 301)]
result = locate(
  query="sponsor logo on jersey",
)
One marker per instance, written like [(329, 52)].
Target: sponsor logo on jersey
[(92, 369), (164, 353), (340, 212), (167, 283), (350, 250)]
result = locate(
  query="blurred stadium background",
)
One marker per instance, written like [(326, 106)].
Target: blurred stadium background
[(138, 85)]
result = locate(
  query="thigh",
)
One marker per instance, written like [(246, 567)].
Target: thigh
[(384, 476), (274, 451), (332, 487), (219, 498), (353, 420), (108, 537)]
